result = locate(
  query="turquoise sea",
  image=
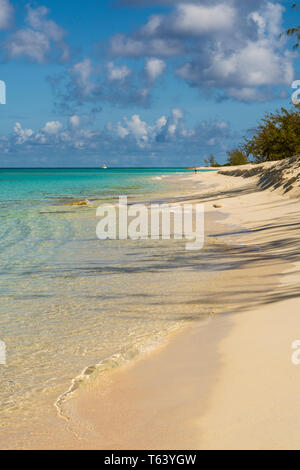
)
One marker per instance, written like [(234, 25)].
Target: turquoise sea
[(72, 305)]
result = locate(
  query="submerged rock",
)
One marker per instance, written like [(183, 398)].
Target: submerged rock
[(80, 203)]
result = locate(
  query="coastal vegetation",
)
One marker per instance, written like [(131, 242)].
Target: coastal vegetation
[(211, 161), (276, 137), (237, 156)]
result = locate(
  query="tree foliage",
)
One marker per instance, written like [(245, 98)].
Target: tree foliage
[(237, 156), (294, 31), (277, 136), (211, 161)]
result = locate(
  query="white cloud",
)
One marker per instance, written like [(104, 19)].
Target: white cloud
[(254, 65), (121, 131), (38, 39), (189, 19), (6, 14), (153, 24), (27, 42), (154, 68), (247, 94), (74, 121), (132, 141), (21, 135), (52, 127), (160, 123), (138, 128), (163, 130), (177, 113), (37, 19), (200, 19), (268, 20), (53, 135), (230, 47), (83, 72), (117, 73), (89, 83), (121, 45), (241, 71)]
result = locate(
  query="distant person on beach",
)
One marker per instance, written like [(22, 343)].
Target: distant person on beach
[(196, 171)]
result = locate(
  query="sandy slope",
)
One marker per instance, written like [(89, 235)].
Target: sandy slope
[(230, 383)]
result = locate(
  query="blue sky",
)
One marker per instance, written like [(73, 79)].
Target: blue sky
[(139, 82)]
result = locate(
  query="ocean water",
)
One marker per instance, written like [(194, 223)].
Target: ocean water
[(72, 305)]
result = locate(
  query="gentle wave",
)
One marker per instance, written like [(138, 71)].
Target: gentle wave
[(107, 365)]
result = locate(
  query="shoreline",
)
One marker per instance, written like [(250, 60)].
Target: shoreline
[(184, 398), (45, 429), (211, 384)]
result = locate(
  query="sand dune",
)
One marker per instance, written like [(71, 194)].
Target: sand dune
[(283, 175)]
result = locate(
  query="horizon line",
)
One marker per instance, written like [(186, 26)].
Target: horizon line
[(96, 168)]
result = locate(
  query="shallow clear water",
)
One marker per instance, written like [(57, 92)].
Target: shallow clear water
[(70, 301)]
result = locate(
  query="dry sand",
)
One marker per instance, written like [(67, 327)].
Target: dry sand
[(230, 383)]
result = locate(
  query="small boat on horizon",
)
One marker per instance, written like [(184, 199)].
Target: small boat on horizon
[(104, 167)]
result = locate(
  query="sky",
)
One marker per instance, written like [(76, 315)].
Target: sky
[(139, 83)]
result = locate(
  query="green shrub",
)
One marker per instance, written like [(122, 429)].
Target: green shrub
[(277, 137), (211, 161), (237, 157)]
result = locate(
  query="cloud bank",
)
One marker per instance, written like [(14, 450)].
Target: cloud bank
[(233, 47), (130, 141), (39, 40)]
